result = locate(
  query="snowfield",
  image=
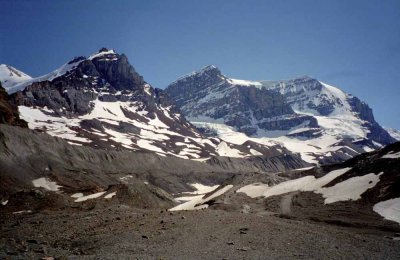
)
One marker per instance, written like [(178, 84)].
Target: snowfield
[(199, 202), (350, 189), (389, 209)]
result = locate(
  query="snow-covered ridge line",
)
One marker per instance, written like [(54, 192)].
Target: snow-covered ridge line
[(56, 73), (101, 53), (195, 72), (48, 77), (10, 76)]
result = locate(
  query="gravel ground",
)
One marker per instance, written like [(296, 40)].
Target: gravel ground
[(121, 232)]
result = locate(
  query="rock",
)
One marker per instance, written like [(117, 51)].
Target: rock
[(243, 230), (9, 111)]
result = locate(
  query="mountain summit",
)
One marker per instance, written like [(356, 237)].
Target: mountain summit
[(10, 76), (307, 116)]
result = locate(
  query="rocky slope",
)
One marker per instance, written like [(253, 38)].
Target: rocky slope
[(8, 112), (251, 215), (361, 192), (38, 170), (102, 102), (307, 116)]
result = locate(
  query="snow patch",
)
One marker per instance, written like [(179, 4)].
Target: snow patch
[(223, 149), (91, 196), (391, 155), (46, 184), (389, 209), (77, 195), (199, 202), (350, 189), (110, 195)]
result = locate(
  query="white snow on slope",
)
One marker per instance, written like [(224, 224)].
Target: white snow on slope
[(10, 76), (224, 149), (309, 149), (241, 82), (350, 189), (91, 196), (254, 190), (77, 195), (46, 184), (52, 75), (393, 133), (151, 132), (99, 54), (199, 202), (22, 211), (391, 155), (110, 195), (389, 209), (201, 189)]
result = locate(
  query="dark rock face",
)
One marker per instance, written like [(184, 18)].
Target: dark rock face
[(195, 86), (9, 112), (377, 133), (209, 93), (297, 92)]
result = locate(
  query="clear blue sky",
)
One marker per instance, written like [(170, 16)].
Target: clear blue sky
[(354, 45)]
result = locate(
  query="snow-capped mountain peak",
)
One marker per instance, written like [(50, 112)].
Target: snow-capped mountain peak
[(10, 76), (304, 114), (102, 52)]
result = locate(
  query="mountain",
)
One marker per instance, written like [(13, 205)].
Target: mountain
[(307, 116), (10, 77), (393, 133), (102, 102)]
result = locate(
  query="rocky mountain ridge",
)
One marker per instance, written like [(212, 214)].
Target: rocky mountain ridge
[(102, 102), (321, 122)]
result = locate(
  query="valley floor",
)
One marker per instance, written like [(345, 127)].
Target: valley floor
[(120, 232)]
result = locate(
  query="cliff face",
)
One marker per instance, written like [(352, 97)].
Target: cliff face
[(8, 111)]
